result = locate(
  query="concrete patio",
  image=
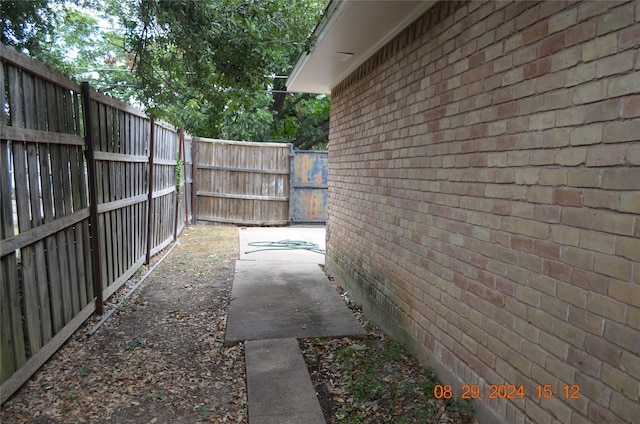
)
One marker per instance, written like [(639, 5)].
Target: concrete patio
[(279, 296)]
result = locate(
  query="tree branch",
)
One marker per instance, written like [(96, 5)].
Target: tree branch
[(306, 142)]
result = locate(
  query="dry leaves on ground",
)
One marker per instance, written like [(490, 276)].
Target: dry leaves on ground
[(375, 380), (160, 359)]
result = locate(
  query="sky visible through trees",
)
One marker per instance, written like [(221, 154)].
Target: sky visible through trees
[(216, 67)]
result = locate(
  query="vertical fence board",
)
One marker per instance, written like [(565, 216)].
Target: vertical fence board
[(95, 288), (44, 253), (12, 353), (48, 268), (243, 183), (24, 197), (60, 196), (120, 207), (12, 348), (35, 290)]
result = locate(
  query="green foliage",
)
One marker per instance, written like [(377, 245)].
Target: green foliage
[(25, 23), (373, 374), (304, 120), (179, 173), (362, 371), (208, 65), (220, 59), (248, 118)]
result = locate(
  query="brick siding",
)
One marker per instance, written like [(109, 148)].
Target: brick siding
[(484, 200)]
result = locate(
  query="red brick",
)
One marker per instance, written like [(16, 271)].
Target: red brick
[(551, 45), (501, 207), (580, 33), (551, 8), (536, 32), (603, 349), (583, 361), (591, 281), (567, 197), (526, 18), (631, 105), (523, 244), (547, 249), (495, 298), (557, 270), (516, 8), (537, 68), (629, 38)]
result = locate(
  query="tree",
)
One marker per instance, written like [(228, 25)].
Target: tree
[(25, 23), (69, 37), (222, 59), (212, 66)]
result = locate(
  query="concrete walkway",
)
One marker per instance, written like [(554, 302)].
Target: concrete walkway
[(277, 297), (279, 387)]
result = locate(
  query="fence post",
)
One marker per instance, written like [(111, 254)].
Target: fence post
[(93, 199), (150, 227), (194, 170), (184, 174), (292, 155), (180, 153)]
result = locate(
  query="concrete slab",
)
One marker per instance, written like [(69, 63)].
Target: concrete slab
[(279, 388), (312, 234), (284, 300), (278, 296)]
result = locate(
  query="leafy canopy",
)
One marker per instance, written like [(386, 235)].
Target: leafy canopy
[(221, 59), (212, 66)]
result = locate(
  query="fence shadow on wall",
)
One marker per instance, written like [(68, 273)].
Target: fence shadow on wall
[(88, 193)]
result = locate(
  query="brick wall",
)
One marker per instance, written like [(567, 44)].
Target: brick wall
[(484, 192)]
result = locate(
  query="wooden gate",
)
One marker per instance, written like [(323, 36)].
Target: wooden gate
[(250, 183), (242, 182), (309, 189)]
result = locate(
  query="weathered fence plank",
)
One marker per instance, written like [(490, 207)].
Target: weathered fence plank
[(88, 193), (309, 186), (242, 183), (50, 255), (13, 353)]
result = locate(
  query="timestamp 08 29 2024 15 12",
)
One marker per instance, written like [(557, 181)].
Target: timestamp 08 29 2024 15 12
[(507, 391)]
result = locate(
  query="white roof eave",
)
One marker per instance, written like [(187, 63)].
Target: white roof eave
[(349, 33)]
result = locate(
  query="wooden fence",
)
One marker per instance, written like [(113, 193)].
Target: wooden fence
[(88, 194), (91, 188), (242, 182)]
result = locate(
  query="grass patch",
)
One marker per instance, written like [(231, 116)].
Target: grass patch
[(375, 380)]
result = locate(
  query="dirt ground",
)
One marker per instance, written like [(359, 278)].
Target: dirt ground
[(161, 358)]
